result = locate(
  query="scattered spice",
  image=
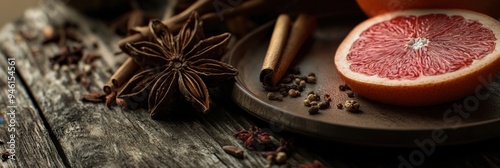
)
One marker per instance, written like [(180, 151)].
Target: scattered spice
[(293, 93), (6, 155), (307, 103), (314, 164), (351, 106), (311, 79), (273, 96), (350, 94), (234, 151), (313, 110), (340, 106), (280, 154), (281, 157), (324, 105), (253, 136)]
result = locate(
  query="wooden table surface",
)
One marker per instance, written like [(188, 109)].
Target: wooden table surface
[(55, 129)]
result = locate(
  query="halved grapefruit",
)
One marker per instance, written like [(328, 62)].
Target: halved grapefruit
[(420, 57)]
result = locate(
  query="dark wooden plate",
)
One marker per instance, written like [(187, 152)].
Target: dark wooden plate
[(474, 118)]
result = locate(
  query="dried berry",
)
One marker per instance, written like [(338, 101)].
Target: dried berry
[(302, 83), (311, 97), (297, 81), (253, 136), (351, 105), (307, 103), (311, 79), (350, 94), (324, 105), (284, 93), (342, 88), (313, 110), (281, 157), (340, 106), (5, 156), (271, 96), (293, 93)]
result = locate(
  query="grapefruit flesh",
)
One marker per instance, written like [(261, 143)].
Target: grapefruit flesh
[(420, 57)]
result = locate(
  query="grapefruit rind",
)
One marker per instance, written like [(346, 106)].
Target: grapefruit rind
[(425, 90)]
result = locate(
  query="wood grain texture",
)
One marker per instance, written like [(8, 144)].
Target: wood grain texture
[(33, 144)]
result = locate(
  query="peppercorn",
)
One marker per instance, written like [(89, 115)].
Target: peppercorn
[(311, 97), (271, 96), (342, 88), (351, 106), (281, 157), (302, 83), (313, 110), (293, 93), (297, 81), (340, 106), (324, 105), (312, 74), (311, 79), (314, 103), (350, 94), (307, 103)]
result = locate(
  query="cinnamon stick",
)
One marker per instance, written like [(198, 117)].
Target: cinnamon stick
[(301, 29), (122, 75), (275, 49)]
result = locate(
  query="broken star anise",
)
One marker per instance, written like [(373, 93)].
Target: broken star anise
[(177, 65)]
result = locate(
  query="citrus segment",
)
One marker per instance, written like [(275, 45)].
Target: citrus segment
[(420, 57), (407, 47)]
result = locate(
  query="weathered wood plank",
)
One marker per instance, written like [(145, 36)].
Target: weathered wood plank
[(31, 143), (92, 135)]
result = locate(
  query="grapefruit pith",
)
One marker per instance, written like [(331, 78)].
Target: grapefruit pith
[(420, 57)]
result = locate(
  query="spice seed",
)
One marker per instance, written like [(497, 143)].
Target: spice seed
[(311, 97), (324, 105), (340, 106), (350, 94), (307, 103), (351, 106), (342, 88), (311, 79), (293, 93), (271, 96), (234, 151), (297, 81), (313, 110), (281, 157), (302, 83), (312, 74)]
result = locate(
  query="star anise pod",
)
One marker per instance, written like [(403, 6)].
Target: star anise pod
[(253, 136), (177, 65)]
